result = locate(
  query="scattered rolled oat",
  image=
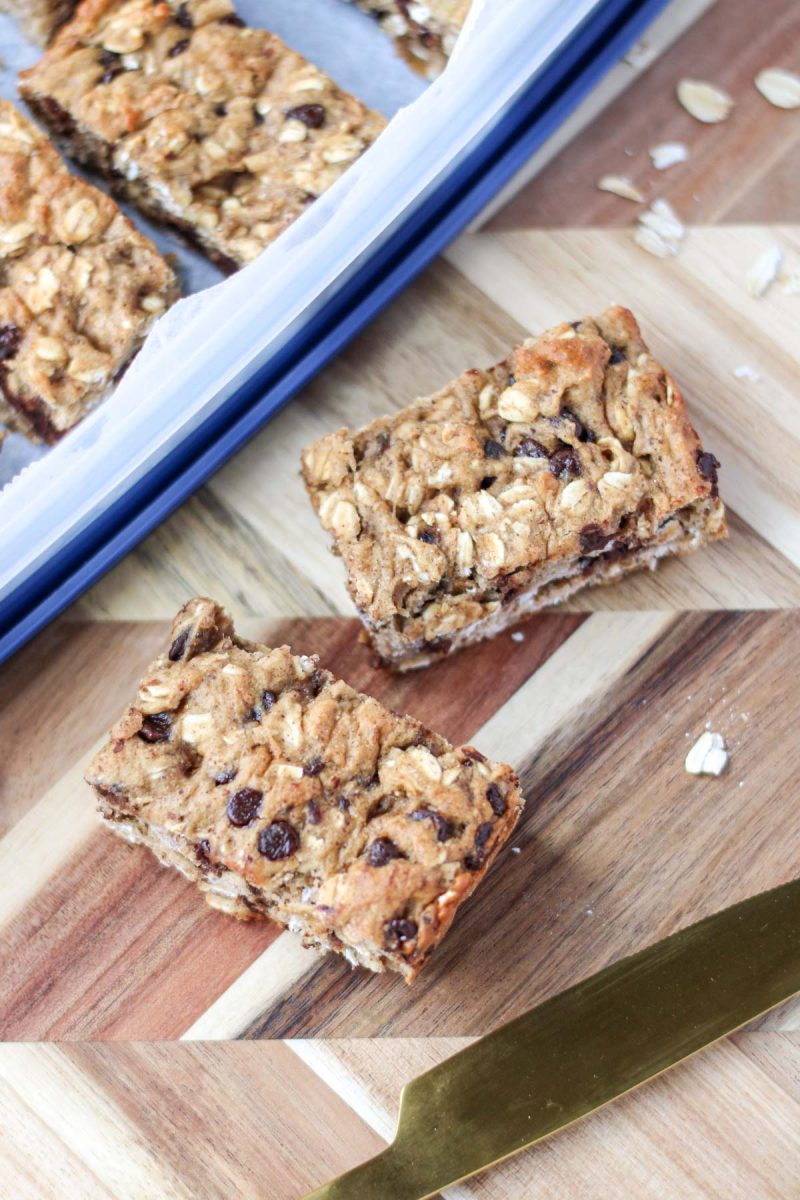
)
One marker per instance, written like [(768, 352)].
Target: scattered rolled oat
[(653, 243), (764, 270), (620, 185), (704, 101), (518, 636), (781, 88), (746, 372), (708, 756), (662, 217), (660, 230), (668, 154)]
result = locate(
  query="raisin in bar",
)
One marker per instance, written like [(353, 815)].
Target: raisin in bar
[(282, 792), (211, 126), (79, 286), (39, 18), (571, 462), (425, 33)]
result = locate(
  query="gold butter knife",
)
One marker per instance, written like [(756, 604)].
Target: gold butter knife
[(581, 1049)]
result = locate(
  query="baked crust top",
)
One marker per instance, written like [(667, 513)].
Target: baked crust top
[(230, 131), (360, 823), (578, 437), (79, 285)]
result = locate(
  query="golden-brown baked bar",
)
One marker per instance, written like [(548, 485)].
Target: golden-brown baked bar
[(211, 126), (425, 32), (79, 286), (571, 462), (39, 18), (284, 793)]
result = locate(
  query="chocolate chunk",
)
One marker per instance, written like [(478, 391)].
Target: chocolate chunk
[(253, 714), (708, 465), (616, 356), (179, 48), (232, 19), (497, 801), (220, 110), (476, 860), (225, 776), (156, 728), (316, 683), (267, 700), (178, 646), (487, 482), (112, 63), (113, 794), (183, 17), (493, 449), (444, 830), (431, 536), (398, 931), (566, 463), (581, 432), (594, 537), (314, 814), (10, 339), (244, 806), (530, 448), (382, 851), (202, 852), (312, 115), (191, 641), (279, 840), (258, 118), (314, 766)]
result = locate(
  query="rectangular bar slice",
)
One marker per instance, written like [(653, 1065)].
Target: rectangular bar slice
[(282, 792), (571, 462), (80, 287), (425, 33), (39, 18), (213, 127)]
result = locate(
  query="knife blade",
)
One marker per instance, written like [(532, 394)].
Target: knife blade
[(585, 1047)]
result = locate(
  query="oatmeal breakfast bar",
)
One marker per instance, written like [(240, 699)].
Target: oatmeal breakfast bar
[(571, 462), (282, 792), (205, 123), (39, 18), (425, 33), (79, 286)]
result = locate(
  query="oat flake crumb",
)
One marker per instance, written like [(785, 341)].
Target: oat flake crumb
[(620, 185), (781, 88), (704, 101), (660, 230), (746, 372), (668, 154), (518, 637), (708, 756), (764, 270)]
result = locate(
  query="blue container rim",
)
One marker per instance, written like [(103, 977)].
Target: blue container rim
[(594, 47)]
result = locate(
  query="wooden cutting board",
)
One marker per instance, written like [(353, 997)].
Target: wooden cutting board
[(618, 845)]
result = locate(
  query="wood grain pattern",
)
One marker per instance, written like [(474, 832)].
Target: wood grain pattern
[(270, 1121), (618, 846)]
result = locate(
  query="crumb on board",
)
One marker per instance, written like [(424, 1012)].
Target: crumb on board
[(708, 755)]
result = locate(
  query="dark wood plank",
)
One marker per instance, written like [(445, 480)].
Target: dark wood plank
[(619, 846)]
